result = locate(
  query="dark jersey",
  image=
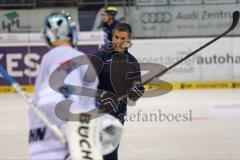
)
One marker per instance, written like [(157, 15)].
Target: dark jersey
[(108, 30), (117, 76)]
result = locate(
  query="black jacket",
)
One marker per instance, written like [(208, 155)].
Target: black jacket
[(118, 73)]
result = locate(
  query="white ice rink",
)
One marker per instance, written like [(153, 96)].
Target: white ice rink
[(213, 133)]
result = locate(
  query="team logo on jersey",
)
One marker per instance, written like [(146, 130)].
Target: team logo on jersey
[(37, 134)]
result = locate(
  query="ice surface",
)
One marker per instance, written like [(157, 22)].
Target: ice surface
[(213, 133)]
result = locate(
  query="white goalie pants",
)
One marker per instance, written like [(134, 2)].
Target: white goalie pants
[(43, 145)]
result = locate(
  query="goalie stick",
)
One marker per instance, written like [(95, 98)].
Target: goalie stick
[(74, 148), (58, 133)]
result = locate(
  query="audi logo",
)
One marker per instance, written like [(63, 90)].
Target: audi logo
[(156, 17)]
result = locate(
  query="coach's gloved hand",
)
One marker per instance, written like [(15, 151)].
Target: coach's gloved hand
[(136, 91), (107, 101)]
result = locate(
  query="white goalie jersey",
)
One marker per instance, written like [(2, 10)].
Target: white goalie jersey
[(42, 142)]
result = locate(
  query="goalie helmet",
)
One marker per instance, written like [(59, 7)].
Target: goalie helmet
[(60, 26)]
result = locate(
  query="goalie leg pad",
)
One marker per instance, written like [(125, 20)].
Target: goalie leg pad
[(91, 139)]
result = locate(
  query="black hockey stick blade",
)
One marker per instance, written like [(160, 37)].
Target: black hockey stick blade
[(234, 24), (235, 20)]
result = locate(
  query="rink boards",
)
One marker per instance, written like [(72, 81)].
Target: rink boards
[(215, 67)]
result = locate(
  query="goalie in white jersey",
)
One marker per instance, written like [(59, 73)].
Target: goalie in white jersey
[(60, 32)]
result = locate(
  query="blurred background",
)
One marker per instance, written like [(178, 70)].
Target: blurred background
[(164, 31)]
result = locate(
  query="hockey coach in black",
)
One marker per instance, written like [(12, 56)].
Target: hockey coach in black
[(119, 77)]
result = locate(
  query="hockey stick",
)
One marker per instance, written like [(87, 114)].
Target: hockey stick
[(234, 24), (54, 128)]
